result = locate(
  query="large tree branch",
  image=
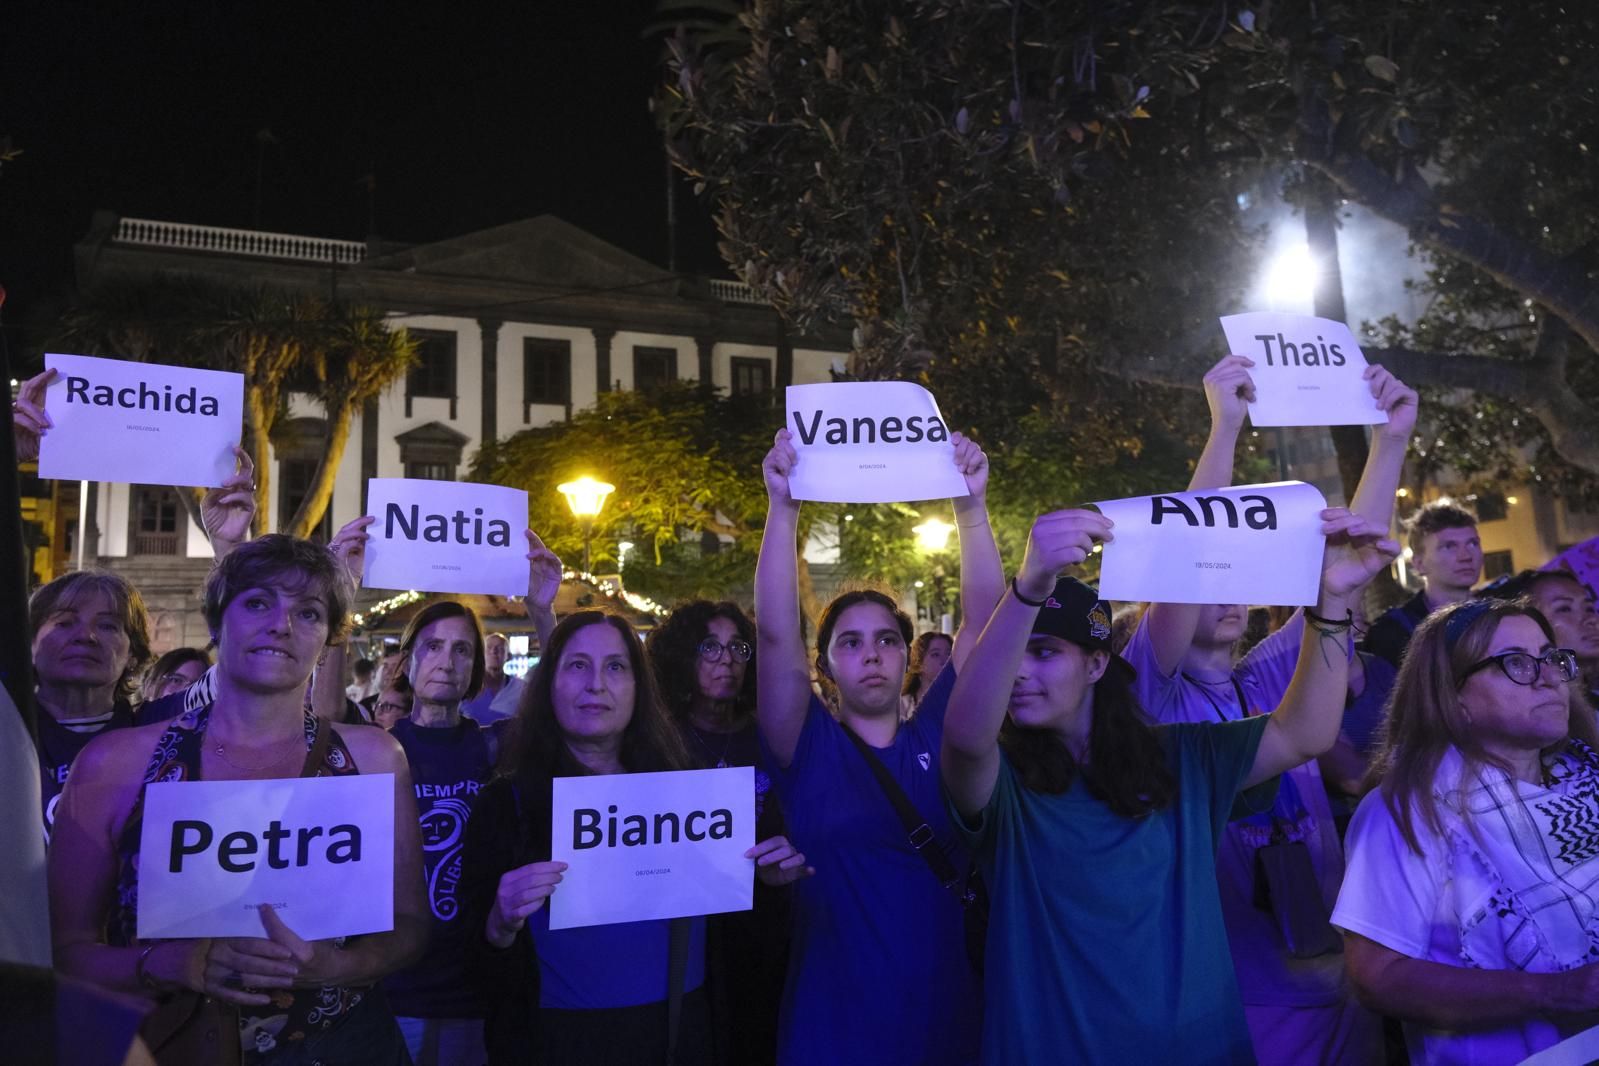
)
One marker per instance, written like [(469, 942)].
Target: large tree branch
[(1558, 284)]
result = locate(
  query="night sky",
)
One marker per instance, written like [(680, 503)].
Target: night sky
[(465, 115)]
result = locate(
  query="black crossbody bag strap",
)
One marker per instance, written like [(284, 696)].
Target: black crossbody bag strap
[(919, 833), (676, 978)]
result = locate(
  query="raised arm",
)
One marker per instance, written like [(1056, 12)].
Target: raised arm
[(1306, 723), (783, 690), (1374, 496), (977, 706), (348, 546), (29, 421), (227, 511), (982, 577), (543, 582), (1229, 390)]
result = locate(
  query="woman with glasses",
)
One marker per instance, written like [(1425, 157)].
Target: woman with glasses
[(172, 673), (1471, 899), (703, 656)]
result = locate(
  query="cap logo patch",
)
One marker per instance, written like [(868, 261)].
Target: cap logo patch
[(1099, 622), (1052, 602)]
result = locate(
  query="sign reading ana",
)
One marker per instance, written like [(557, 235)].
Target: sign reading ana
[(446, 536), (870, 442), (1307, 370), (1251, 544), (319, 849), (646, 846), (142, 423)]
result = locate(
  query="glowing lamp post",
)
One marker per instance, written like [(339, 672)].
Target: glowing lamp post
[(586, 498), (932, 537)]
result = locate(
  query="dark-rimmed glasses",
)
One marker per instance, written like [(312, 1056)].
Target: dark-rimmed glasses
[(1523, 667), (710, 649)]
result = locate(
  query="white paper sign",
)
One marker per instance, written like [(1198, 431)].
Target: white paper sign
[(141, 423), (1579, 1050), (446, 536), (645, 846), (870, 442), (1254, 544), (319, 849), (1307, 370)]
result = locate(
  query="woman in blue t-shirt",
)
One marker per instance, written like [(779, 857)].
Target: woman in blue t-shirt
[(1096, 832), (877, 968)]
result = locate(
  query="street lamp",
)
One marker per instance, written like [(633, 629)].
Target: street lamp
[(932, 537), (586, 498)]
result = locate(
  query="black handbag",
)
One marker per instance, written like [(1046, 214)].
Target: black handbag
[(1287, 887), (970, 889)]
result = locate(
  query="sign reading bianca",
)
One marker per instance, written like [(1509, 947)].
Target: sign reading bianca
[(319, 849), (1307, 370), (645, 846), (140, 422), (446, 536), (1251, 544), (870, 442)]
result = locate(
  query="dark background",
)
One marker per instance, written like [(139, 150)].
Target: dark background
[(410, 121)]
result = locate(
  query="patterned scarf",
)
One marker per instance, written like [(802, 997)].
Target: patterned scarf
[(1523, 862)]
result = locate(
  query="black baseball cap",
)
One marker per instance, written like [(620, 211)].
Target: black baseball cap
[(1074, 612)]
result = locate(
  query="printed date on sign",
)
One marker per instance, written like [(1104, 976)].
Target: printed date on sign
[(1203, 565)]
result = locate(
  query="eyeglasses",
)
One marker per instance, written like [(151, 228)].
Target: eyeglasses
[(1524, 668), (710, 649)]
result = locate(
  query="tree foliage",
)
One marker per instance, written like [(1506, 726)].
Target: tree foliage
[(283, 342)]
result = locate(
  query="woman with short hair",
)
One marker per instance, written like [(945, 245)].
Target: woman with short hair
[(1471, 900), (272, 606)]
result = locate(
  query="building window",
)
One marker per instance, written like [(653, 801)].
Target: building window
[(156, 523), (751, 377), (653, 368), (1492, 507), (294, 485), (431, 471), (434, 372), (1496, 564), (546, 373)]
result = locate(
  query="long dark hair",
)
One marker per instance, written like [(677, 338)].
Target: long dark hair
[(913, 672), (536, 745), (674, 653), (1127, 768)]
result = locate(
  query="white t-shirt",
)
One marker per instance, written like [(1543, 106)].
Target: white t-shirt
[(1408, 902)]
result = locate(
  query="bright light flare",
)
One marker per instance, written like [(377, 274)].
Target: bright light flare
[(1291, 277)]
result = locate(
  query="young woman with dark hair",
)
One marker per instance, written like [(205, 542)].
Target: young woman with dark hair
[(1096, 832), (273, 606), (1468, 904), (878, 970), (703, 655), (929, 653), (599, 993)]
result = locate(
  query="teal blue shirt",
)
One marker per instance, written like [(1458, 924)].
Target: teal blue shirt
[(1105, 937)]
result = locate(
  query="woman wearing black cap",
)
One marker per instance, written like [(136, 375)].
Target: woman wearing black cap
[(1096, 832)]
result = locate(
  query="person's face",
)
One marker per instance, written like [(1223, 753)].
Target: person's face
[(271, 637), (82, 643), (1451, 557), (495, 652), (441, 660), (389, 668), (866, 658), (720, 679), (1054, 682), (392, 705), (1220, 623), (933, 659), (1508, 718), (1570, 610), (179, 679), (594, 686)]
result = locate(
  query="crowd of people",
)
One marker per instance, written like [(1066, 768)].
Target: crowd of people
[(1061, 834)]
